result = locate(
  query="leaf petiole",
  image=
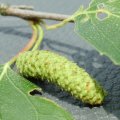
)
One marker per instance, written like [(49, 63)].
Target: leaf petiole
[(51, 27), (29, 44), (40, 37), (6, 66)]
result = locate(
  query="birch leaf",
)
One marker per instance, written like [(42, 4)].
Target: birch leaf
[(99, 24), (16, 103)]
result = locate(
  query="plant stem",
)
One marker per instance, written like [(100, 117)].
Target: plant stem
[(29, 44), (30, 14), (54, 26), (40, 37)]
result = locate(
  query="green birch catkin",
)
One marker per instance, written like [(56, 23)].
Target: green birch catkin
[(66, 74)]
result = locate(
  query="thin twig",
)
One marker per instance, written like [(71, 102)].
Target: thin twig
[(30, 14), (23, 7)]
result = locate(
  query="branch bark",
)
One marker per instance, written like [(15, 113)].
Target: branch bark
[(30, 14)]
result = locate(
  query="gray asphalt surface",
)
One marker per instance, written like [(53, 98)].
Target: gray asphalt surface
[(14, 34)]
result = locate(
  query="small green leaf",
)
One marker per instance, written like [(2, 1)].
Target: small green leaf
[(100, 25), (16, 103)]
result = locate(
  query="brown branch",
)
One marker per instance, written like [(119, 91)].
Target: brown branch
[(30, 14)]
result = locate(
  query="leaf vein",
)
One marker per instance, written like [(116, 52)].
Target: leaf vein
[(105, 37), (20, 91)]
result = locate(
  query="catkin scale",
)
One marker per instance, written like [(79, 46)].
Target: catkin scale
[(66, 74)]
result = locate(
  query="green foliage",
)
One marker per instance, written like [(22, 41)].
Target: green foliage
[(57, 69), (16, 103), (100, 25)]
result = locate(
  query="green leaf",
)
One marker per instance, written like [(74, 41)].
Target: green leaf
[(16, 103), (100, 25)]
